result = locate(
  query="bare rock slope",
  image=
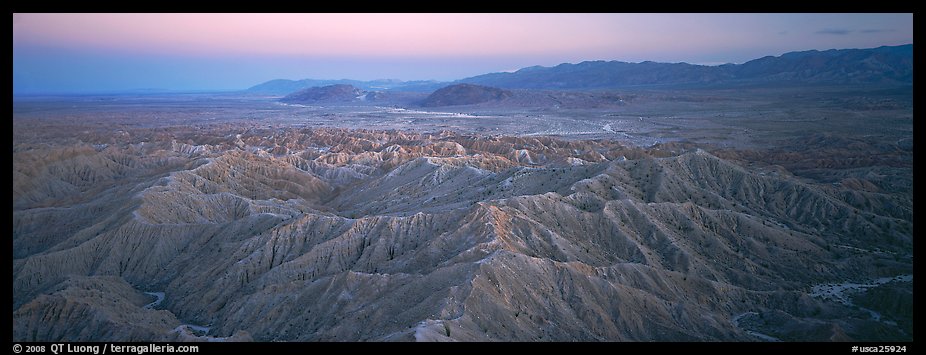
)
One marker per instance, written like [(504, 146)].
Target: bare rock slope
[(284, 234)]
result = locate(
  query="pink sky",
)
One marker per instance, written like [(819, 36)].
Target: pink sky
[(439, 35), (322, 34), (71, 51)]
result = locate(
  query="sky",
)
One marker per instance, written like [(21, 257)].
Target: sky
[(88, 53)]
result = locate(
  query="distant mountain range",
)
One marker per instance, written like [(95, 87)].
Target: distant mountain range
[(882, 65)]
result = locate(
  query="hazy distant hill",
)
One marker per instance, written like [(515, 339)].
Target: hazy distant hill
[(284, 86), (349, 94), (465, 94), (330, 93), (847, 66)]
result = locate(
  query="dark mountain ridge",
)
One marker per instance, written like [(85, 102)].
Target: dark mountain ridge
[(889, 65), (882, 65)]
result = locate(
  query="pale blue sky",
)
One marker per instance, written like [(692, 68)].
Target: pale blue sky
[(111, 52)]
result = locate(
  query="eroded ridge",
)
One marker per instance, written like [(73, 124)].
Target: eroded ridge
[(258, 232)]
